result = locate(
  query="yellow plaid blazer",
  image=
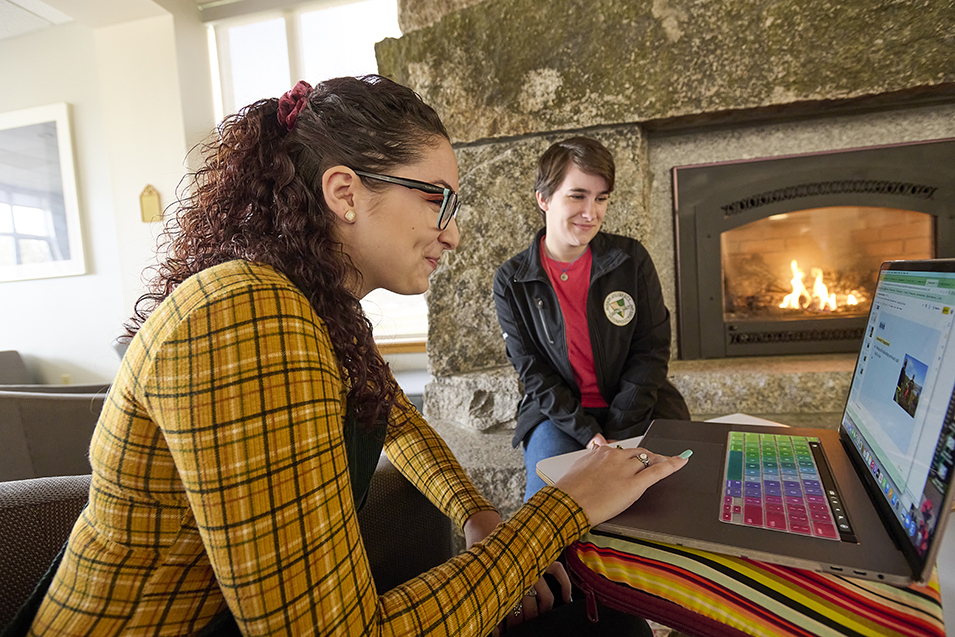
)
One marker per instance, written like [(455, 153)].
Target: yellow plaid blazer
[(220, 478)]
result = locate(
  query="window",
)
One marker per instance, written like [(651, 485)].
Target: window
[(39, 209), (26, 234), (264, 55)]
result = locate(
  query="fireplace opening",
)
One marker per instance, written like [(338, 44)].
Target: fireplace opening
[(779, 256), (817, 263)]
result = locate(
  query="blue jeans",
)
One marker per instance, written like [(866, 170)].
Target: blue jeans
[(544, 441)]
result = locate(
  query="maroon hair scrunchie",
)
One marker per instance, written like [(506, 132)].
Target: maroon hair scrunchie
[(292, 103)]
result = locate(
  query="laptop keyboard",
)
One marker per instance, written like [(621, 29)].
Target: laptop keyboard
[(774, 482)]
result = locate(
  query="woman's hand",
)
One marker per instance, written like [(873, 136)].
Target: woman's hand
[(538, 600), (597, 441), (542, 598), (607, 480), (479, 526)]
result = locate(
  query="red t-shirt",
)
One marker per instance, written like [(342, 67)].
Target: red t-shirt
[(572, 297)]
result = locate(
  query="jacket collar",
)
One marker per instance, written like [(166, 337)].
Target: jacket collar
[(606, 256)]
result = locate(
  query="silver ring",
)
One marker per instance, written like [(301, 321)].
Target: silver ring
[(531, 592), (518, 609), (644, 458)]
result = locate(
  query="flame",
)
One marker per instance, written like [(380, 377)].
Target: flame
[(851, 300), (820, 299), (820, 292), (799, 290)]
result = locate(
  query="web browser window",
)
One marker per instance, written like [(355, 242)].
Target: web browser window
[(891, 414)]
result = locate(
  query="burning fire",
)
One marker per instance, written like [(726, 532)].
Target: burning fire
[(820, 292), (820, 298), (799, 290)]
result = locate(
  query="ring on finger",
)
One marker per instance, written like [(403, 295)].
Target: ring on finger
[(530, 592), (644, 458), (518, 609)]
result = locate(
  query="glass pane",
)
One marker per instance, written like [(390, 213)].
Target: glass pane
[(396, 317), (34, 251), (341, 40), (259, 60), (28, 220), (6, 218), (816, 263), (8, 251)]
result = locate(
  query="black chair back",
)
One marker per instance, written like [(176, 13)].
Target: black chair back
[(403, 533), (36, 517)]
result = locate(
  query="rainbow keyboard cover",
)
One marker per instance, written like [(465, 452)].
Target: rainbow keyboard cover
[(774, 482)]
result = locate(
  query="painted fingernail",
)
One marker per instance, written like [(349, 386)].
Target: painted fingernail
[(686, 454)]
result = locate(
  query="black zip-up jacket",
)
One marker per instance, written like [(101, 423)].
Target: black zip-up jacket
[(630, 340)]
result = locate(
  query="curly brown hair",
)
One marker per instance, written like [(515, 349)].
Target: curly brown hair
[(258, 197)]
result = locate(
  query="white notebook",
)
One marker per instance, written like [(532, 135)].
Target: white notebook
[(553, 469)]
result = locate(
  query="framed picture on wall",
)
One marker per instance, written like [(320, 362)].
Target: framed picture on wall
[(40, 234)]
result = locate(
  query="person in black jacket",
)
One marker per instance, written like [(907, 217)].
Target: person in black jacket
[(583, 318)]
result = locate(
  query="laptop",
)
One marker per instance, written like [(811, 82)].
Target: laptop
[(869, 500)]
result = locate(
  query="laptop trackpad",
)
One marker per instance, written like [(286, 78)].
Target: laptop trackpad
[(702, 474)]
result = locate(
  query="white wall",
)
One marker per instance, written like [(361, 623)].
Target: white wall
[(65, 325), (135, 114), (145, 138)]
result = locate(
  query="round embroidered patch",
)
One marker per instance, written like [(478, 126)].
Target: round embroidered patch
[(619, 308)]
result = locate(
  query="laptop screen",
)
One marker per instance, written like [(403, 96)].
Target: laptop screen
[(899, 414)]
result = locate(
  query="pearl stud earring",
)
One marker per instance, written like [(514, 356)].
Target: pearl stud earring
[(350, 216)]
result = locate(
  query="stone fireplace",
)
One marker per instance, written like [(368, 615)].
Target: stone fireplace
[(778, 256), (668, 84)]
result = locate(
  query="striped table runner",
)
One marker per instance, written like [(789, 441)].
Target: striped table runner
[(711, 595)]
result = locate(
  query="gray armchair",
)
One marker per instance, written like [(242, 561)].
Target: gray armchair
[(13, 369), (46, 434), (403, 532), (88, 388)]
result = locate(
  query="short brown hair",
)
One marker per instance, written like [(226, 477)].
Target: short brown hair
[(587, 154)]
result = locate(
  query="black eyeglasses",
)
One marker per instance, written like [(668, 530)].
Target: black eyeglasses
[(449, 205)]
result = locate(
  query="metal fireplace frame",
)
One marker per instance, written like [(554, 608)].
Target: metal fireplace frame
[(710, 199)]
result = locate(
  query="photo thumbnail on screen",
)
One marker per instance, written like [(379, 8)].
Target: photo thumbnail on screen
[(909, 387)]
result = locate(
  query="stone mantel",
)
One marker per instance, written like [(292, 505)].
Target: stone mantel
[(504, 68)]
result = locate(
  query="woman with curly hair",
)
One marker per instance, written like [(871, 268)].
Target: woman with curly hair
[(249, 412)]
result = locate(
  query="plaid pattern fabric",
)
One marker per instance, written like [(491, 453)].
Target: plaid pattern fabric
[(220, 477)]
